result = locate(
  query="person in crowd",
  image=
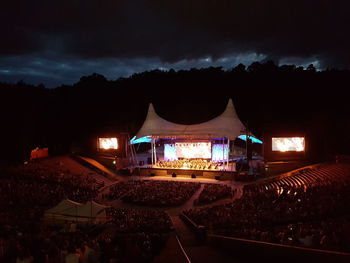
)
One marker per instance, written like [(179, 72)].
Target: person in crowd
[(72, 256)]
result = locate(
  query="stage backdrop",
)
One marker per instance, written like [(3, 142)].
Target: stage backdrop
[(195, 150)]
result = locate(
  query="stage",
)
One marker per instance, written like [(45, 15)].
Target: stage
[(197, 150), (210, 174)]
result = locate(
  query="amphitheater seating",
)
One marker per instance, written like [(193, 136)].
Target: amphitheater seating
[(153, 193), (310, 203), (214, 192), (307, 177)]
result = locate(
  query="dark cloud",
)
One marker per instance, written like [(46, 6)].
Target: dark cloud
[(53, 69), (277, 28), (132, 34)]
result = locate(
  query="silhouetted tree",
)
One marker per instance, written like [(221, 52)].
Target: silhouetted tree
[(311, 68), (32, 116)]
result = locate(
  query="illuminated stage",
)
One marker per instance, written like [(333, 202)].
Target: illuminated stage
[(168, 173), (200, 149), (205, 159), (187, 158), (194, 155)]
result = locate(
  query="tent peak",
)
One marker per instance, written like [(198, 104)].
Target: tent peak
[(150, 106), (229, 104), (227, 124), (230, 110)]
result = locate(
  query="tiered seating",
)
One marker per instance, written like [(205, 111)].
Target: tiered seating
[(26, 192), (213, 192), (308, 208), (129, 236), (154, 193), (131, 220), (59, 169), (304, 178), (120, 189)]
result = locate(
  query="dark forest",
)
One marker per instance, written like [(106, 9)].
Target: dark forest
[(70, 117)]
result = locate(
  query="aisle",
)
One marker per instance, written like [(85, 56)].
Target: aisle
[(195, 249), (188, 205), (112, 176)]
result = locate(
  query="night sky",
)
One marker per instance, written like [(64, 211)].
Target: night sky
[(56, 42)]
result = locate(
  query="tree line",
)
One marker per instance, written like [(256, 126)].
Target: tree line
[(71, 116)]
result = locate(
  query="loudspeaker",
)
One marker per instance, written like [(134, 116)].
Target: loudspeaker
[(249, 149)]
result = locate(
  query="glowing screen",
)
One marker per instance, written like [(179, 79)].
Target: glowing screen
[(288, 144), (108, 143), (169, 152), (219, 152), (193, 150)]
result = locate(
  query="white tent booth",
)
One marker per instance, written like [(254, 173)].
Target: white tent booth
[(68, 210), (208, 140)]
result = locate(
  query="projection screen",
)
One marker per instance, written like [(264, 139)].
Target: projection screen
[(200, 150), (288, 144), (108, 143)]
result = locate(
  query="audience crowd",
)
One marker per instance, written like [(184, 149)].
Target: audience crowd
[(315, 216), (154, 193), (56, 172), (132, 220), (29, 190), (214, 192), (105, 244), (119, 190), (26, 192), (311, 215), (134, 235)]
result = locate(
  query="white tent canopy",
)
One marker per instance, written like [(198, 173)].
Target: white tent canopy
[(91, 209), (66, 207), (226, 125), (73, 211)]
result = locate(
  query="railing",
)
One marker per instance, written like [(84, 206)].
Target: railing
[(199, 230), (271, 252)]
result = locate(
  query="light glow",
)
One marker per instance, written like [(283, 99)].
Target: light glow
[(288, 144), (170, 152), (254, 140), (108, 143), (146, 139), (219, 152)]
